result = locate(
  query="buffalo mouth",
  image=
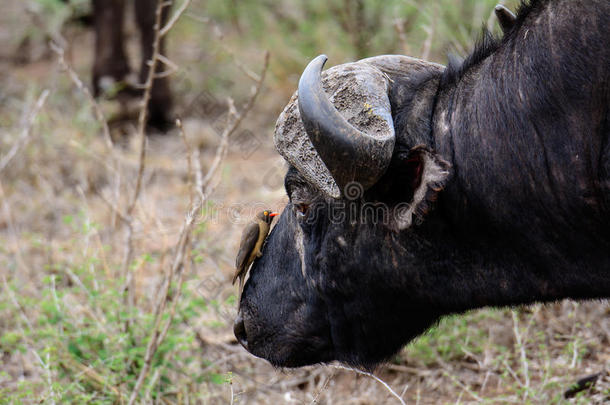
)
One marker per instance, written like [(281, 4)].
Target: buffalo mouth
[(281, 347), (239, 329)]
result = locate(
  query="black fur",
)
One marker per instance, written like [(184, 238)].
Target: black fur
[(524, 216), (487, 44)]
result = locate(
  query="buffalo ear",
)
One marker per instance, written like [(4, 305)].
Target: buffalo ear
[(426, 173)]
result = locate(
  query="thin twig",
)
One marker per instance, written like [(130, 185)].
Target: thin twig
[(463, 386), (189, 159), (427, 47), (129, 283), (99, 114), (92, 376), (112, 207), (142, 119), (513, 373), (157, 335), (232, 394), (172, 67), (41, 23), (323, 388), (10, 222), (220, 36), (198, 171), (25, 132), (143, 115), (222, 147), (151, 384), (234, 120), (373, 376), (402, 38), (521, 347), (100, 117), (21, 310), (174, 18)]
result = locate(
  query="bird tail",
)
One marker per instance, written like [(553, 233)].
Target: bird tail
[(241, 289), (237, 273)]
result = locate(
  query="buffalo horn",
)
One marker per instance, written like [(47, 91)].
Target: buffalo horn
[(505, 17), (349, 154)]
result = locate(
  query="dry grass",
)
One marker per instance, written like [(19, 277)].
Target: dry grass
[(67, 336)]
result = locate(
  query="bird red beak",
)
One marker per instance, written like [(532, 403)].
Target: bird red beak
[(273, 214)]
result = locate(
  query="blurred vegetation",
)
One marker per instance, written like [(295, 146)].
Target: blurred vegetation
[(295, 31), (215, 33)]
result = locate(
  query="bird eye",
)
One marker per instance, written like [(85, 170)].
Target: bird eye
[(301, 209)]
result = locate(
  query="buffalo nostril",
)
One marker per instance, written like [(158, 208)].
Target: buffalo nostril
[(240, 331)]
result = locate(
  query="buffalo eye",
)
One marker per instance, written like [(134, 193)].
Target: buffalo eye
[(301, 210)]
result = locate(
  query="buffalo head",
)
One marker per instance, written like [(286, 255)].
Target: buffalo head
[(332, 275)]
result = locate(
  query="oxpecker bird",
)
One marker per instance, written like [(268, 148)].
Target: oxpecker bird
[(252, 239)]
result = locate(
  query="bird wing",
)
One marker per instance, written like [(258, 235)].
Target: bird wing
[(248, 240)]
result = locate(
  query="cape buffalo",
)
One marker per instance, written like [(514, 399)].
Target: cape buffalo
[(418, 190), (111, 66)]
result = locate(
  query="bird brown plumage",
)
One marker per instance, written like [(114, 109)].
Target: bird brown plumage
[(252, 239)]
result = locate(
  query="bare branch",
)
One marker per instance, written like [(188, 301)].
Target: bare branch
[(373, 376), (189, 159), (99, 114), (115, 210), (399, 26), (520, 345), (4, 202), (26, 337), (234, 120), (425, 54), (222, 147), (174, 18), (172, 67), (41, 23), (141, 131), (198, 172), (157, 334), (244, 69), (25, 132), (220, 36), (464, 387), (143, 115)]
